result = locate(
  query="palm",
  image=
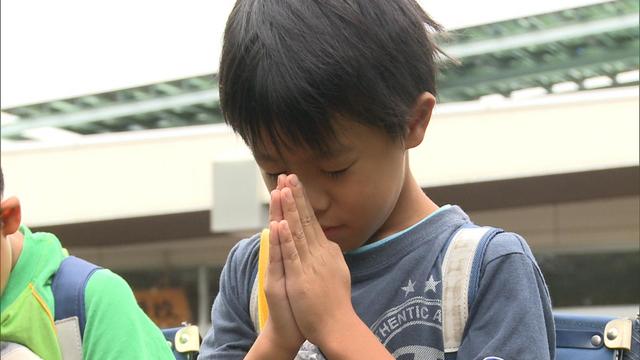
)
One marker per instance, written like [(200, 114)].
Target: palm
[(281, 317)]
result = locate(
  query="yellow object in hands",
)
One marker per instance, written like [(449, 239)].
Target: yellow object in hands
[(263, 262)]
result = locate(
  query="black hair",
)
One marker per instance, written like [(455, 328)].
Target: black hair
[(1, 183), (288, 67)]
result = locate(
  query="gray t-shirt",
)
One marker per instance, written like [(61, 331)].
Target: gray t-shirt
[(397, 292)]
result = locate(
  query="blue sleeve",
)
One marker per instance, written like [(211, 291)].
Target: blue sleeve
[(511, 316), (232, 333)]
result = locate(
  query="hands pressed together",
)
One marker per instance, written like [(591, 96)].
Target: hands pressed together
[(308, 286)]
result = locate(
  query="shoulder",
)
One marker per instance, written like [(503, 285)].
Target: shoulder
[(105, 285), (509, 258), (504, 244), (116, 326), (241, 267), (246, 249), (108, 299), (243, 257), (509, 282), (232, 304), (506, 254)]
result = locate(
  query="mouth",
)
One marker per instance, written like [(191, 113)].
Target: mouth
[(331, 231)]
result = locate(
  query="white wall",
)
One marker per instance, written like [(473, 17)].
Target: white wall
[(550, 135), (170, 171)]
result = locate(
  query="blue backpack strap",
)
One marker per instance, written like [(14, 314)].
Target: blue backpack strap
[(478, 259), (68, 287)]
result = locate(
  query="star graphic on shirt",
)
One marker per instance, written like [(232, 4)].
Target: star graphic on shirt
[(409, 288), (430, 284)]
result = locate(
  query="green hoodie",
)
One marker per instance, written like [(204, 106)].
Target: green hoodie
[(116, 327)]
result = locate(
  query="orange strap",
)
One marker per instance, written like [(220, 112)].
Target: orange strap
[(263, 261)]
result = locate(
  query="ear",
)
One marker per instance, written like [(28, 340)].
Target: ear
[(419, 118), (11, 215)]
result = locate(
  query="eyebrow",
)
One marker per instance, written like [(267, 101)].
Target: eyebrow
[(336, 150), (260, 156)]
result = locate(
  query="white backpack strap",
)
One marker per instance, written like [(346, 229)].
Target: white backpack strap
[(69, 338), (253, 306), (456, 273)]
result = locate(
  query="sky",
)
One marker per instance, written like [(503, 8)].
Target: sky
[(54, 49)]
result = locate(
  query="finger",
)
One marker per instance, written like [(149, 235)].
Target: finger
[(292, 217), (276, 269), (281, 181), (310, 224), (290, 257), (275, 206)]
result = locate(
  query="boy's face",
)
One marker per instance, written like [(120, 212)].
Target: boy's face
[(10, 222), (354, 191), (5, 260)]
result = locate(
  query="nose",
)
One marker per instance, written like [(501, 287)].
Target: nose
[(318, 198)]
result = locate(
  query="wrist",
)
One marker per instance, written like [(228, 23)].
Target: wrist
[(286, 347), (333, 338), (352, 336)]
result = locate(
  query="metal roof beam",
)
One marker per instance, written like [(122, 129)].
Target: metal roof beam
[(543, 36), (504, 79), (113, 111)]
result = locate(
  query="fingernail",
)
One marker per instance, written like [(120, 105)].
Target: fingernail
[(293, 180), (288, 194)]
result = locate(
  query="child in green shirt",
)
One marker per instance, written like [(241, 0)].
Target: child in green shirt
[(116, 327)]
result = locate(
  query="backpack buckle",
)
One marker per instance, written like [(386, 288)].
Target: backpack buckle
[(187, 339), (617, 334)]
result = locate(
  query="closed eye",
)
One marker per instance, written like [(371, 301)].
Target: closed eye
[(338, 173), (273, 177)]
